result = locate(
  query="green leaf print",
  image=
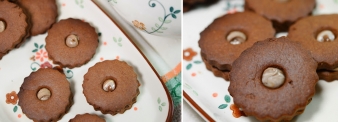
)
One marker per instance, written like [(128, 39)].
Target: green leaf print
[(197, 62), (171, 9), (173, 15), (160, 19), (115, 40), (41, 46), (189, 66), (227, 98), (164, 28), (120, 39), (167, 21), (177, 11), (160, 108), (223, 106), (158, 100), (15, 109), (35, 50)]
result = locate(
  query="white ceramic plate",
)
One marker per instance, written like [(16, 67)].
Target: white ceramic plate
[(153, 104), (209, 95), (163, 52), (158, 17)]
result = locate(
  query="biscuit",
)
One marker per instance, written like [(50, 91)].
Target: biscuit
[(45, 95), (228, 36), (71, 43), (321, 40), (86, 118), (43, 14), (293, 76), (111, 86), (282, 13), (306, 33), (217, 72), (327, 75), (14, 26)]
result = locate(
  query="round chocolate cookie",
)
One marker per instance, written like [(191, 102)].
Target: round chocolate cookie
[(45, 95), (13, 26), (228, 36), (111, 86), (43, 14), (319, 38), (282, 13), (71, 43), (273, 80), (87, 118)]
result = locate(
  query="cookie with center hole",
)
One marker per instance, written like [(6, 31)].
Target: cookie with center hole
[(71, 42), (228, 36), (111, 86), (321, 39), (273, 80), (45, 95)]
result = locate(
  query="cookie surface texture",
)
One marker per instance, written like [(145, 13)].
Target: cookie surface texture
[(43, 14), (13, 26), (218, 51), (115, 99), (60, 97), (282, 13), (87, 118), (274, 104), (71, 43)]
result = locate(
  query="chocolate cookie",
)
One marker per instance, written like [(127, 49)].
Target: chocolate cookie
[(71, 43), (43, 14), (87, 118), (191, 4), (319, 38), (13, 26), (45, 95), (273, 80), (216, 72), (282, 13), (111, 86), (225, 38), (327, 75)]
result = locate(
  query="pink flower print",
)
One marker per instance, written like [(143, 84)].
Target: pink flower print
[(41, 55)]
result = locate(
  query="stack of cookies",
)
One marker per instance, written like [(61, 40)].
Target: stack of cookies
[(20, 19), (272, 79), (14, 26)]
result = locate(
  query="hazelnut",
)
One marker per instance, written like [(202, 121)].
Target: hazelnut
[(273, 77), (325, 36), (2, 26), (44, 94), (236, 37), (72, 41), (109, 85)]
